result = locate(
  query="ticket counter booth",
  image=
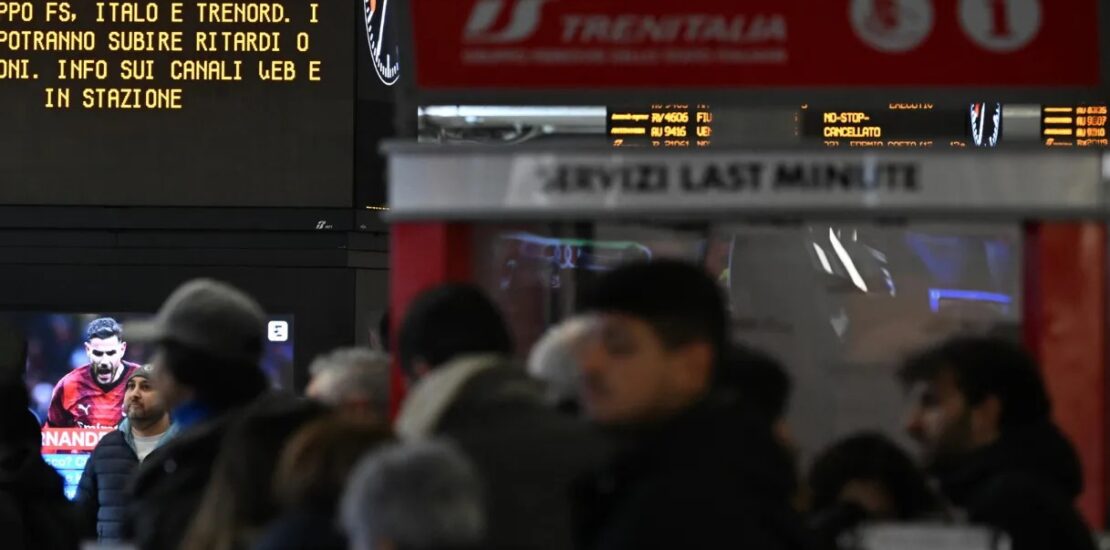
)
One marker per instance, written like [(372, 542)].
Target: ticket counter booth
[(837, 262)]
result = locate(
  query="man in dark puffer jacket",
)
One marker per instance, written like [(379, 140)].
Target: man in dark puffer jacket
[(102, 492)]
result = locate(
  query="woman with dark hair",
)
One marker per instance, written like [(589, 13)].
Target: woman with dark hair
[(867, 477), (238, 501), (310, 479)]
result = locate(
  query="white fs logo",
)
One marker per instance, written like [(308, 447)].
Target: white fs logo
[(523, 21)]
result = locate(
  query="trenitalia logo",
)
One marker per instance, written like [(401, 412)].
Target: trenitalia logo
[(515, 21), (524, 20)]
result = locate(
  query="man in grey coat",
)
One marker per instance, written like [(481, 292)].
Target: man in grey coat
[(455, 347)]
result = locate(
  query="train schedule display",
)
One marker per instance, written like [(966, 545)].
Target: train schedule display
[(176, 102), (670, 125)]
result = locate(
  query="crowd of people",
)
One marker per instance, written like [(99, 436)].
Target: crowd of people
[(635, 424)]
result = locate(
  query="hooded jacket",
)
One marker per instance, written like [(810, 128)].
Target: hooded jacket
[(34, 512), (102, 493), (527, 454), (709, 478), (1024, 484)]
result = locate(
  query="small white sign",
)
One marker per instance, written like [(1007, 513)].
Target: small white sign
[(909, 536), (583, 183), (278, 331)]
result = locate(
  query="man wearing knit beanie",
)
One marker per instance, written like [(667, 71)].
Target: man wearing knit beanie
[(209, 345)]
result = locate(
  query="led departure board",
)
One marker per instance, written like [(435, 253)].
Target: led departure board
[(177, 102), (1075, 126), (661, 125), (983, 124), (895, 125)]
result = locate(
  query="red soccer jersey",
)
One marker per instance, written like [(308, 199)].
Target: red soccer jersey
[(79, 402)]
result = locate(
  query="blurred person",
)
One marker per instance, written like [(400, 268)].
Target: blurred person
[(34, 512), (102, 493), (455, 347), (982, 417), (421, 495), (380, 338), (310, 478), (91, 395), (354, 380), (555, 361), (208, 338), (693, 471), (761, 387), (867, 477), (41, 394), (239, 499)]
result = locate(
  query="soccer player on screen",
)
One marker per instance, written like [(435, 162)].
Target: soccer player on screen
[(91, 396)]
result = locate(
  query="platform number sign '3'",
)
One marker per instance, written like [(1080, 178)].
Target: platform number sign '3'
[(893, 26), (385, 53), (897, 26), (1001, 25)]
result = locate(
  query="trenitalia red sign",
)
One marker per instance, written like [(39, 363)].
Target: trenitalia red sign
[(735, 43)]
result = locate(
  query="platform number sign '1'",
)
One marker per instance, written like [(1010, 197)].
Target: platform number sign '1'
[(1000, 20), (385, 54), (1001, 25)]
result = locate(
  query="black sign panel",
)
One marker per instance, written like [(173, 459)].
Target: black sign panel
[(166, 102)]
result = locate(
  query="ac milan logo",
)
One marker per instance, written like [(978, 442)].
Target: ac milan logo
[(384, 54), (986, 124)]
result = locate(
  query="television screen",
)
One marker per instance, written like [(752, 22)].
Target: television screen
[(77, 384)]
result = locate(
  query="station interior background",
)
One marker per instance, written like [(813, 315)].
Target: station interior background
[(840, 300)]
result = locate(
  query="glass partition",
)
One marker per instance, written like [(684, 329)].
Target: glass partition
[(839, 304)]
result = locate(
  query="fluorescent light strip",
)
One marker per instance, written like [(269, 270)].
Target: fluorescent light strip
[(890, 281), (845, 259), (877, 255), (500, 111), (938, 294), (824, 258)]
